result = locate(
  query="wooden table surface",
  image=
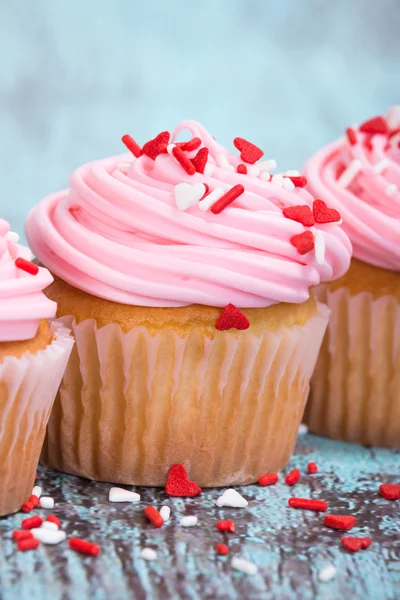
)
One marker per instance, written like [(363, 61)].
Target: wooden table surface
[(289, 546)]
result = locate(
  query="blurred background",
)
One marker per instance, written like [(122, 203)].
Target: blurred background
[(289, 75)]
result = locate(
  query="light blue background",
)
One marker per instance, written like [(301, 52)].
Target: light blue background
[(289, 75)]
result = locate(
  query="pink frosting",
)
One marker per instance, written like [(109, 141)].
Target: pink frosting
[(118, 234), (362, 181), (22, 302)]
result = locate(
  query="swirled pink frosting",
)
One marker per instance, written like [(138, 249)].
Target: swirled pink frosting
[(359, 175), (118, 234), (22, 302)]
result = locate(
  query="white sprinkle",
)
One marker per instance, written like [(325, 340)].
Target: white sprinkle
[(231, 498), (319, 247), (211, 198), (117, 494), (266, 176), (267, 165), (393, 117), (46, 502), (209, 169), (188, 521), (288, 184), (37, 491), (348, 174), (47, 536), (223, 162), (327, 573), (381, 165), (165, 513), (148, 554), (292, 173), (11, 236), (187, 194), (277, 180), (253, 170), (391, 189), (243, 565), (170, 147), (50, 525), (303, 429)]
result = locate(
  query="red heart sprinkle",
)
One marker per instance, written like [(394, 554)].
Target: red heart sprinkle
[(356, 543), (303, 242), (179, 485), (323, 214), (232, 318), (301, 213), (374, 125), (390, 491), (298, 180), (157, 146), (345, 522), (189, 146), (249, 152), (200, 160)]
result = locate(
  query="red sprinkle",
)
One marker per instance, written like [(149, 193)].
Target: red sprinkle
[(323, 214), (28, 544), (54, 519), (227, 199), (189, 146), (301, 214), (232, 318), (222, 549), (153, 516), (317, 505), (249, 152), (303, 242), (394, 132), (27, 265), (312, 468), (268, 479), (293, 477), (157, 146), (356, 543), (23, 534), (183, 160), (200, 160), (179, 485), (241, 169), (390, 491), (368, 143), (345, 522), (84, 547), (298, 180), (351, 136), (27, 507), (226, 526), (374, 125), (34, 500), (31, 522), (132, 145)]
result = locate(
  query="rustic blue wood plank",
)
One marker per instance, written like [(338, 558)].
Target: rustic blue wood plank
[(289, 547)]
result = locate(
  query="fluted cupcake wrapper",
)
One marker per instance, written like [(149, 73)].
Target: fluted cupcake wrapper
[(131, 405), (28, 387), (355, 390)]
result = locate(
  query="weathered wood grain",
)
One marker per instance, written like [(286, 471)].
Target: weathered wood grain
[(289, 546)]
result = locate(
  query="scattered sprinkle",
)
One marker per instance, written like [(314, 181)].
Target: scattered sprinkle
[(156, 146), (231, 498), (27, 507), (393, 116), (351, 136), (374, 125), (23, 534), (293, 477), (288, 184), (277, 180), (301, 214), (132, 145), (344, 522), (350, 172), (31, 523), (227, 199), (49, 537), (267, 165), (265, 176), (84, 547), (37, 491), (46, 502), (26, 265), (153, 516), (232, 318), (11, 237), (253, 171), (303, 429), (226, 526), (319, 243), (165, 513), (298, 180), (323, 214), (187, 194), (170, 147), (183, 160), (307, 504), (268, 479), (34, 500), (390, 491), (50, 525), (245, 566), (381, 165), (190, 521), (148, 554), (312, 468), (356, 543), (200, 160), (189, 146), (327, 573), (211, 198), (242, 169), (179, 485), (117, 494), (28, 544), (249, 153), (222, 549), (54, 519), (303, 242)]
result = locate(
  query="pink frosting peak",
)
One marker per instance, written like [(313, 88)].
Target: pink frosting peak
[(22, 302), (139, 229), (359, 175)]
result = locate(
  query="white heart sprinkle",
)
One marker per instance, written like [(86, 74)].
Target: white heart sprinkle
[(117, 494), (187, 194), (231, 498), (211, 198), (47, 536)]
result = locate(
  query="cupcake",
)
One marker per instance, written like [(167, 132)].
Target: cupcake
[(184, 273), (33, 357), (355, 392)]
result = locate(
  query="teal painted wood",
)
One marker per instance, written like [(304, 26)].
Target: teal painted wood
[(289, 546)]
